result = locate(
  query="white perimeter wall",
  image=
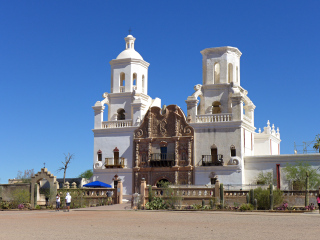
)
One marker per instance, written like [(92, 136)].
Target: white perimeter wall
[(253, 165)]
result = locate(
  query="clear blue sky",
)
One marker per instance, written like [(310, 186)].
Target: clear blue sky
[(54, 65)]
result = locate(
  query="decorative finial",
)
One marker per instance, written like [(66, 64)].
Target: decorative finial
[(259, 130), (268, 123), (130, 31)]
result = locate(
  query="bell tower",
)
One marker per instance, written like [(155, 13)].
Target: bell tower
[(129, 72)]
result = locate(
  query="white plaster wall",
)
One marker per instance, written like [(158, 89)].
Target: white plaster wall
[(214, 93), (119, 101), (248, 143), (274, 148), (108, 139), (261, 147), (253, 165), (226, 175), (220, 135)]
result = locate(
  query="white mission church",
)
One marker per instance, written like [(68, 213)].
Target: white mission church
[(216, 139)]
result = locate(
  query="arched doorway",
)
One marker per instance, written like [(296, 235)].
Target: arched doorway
[(36, 179)]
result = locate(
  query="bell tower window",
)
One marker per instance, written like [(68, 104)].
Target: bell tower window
[(216, 107), (134, 81), (216, 73), (230, 73), (122, 82), (233, 151), (121, 114)]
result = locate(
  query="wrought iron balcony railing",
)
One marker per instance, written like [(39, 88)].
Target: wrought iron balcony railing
[(115, 163), (162, 160), (212, 160)]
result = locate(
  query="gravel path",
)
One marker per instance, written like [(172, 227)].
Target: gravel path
[(114, 222)]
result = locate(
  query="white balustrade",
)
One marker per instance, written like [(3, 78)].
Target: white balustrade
[(221, 117), (117, 124), (122, 88)]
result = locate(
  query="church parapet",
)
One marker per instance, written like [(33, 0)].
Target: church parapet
[(117, 124), (221, 117)]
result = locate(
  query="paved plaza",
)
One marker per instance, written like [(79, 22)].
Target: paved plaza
[(120, 222)]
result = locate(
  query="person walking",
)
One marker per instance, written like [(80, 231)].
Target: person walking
[(318, 201), (68, 201), (58, 202)]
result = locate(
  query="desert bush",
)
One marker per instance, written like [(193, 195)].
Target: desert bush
[(20, 196), (5, 205), (263, 199), (246, 206), (156, 204)]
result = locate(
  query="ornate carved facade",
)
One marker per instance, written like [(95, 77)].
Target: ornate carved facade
[(163, 148)]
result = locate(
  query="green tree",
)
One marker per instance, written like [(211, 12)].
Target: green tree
[(297, 175), (67, 159), (86, 174), (316, 145), (25, 177), (265, 178)]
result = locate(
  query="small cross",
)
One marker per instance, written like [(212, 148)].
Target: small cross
[(44, 165), (130, 31)]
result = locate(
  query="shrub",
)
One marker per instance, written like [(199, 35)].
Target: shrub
[(20, 196), (246, 206), (155, 204), (5, 205), (263, 199)]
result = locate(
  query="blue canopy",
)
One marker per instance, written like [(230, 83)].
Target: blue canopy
[(98, 184)]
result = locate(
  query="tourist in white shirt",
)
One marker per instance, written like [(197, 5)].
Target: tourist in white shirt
[(68, 201)]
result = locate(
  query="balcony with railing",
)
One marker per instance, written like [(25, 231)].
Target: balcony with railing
[(115, 163), (117, 124), (221, 117), (212, 160), (162, 160)]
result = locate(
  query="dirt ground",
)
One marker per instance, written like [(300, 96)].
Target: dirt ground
[(122, 223)]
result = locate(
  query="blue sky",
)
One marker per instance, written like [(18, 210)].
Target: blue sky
[(54, 65)]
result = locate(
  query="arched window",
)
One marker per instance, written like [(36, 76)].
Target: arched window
[(121, 114), (233, 151), (216, 73), (142, 83), (134, 81), (216, 107), (122, 82), (230, 73), (99, 155)]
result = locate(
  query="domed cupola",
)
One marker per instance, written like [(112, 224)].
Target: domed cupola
[(129, 52)]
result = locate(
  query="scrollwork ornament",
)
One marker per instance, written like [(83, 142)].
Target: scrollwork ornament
[(187, 130), (139, 133)]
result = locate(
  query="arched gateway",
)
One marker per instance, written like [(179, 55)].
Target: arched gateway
[(44, 174)]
